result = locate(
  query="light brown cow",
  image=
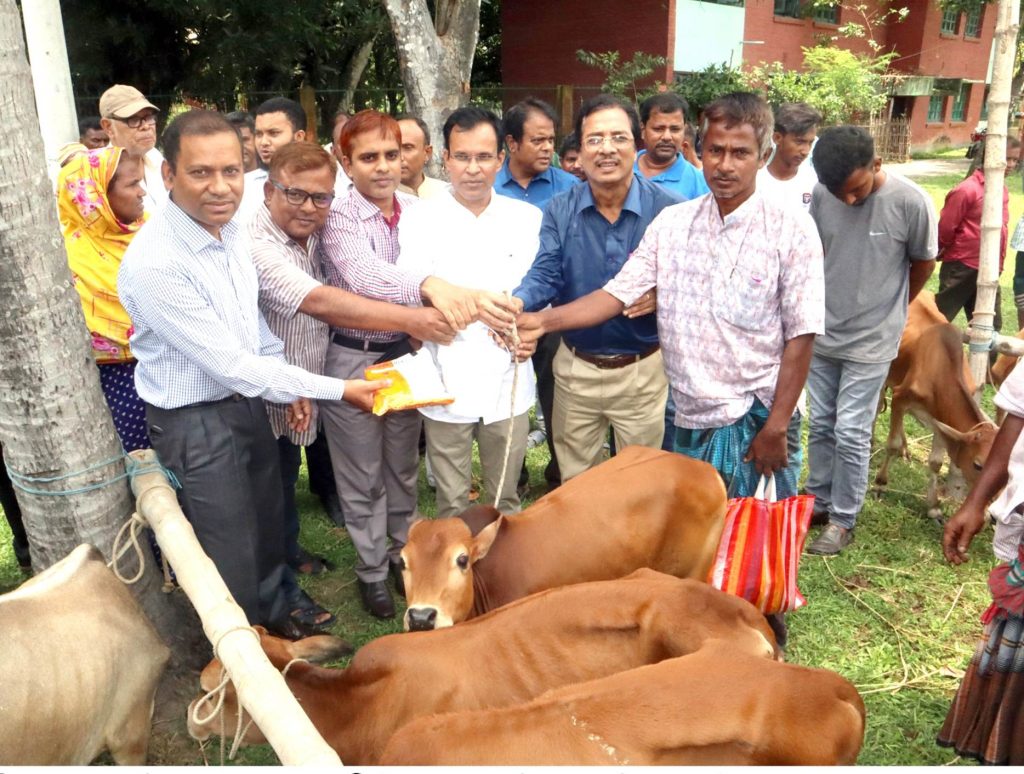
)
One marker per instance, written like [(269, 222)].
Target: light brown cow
[(550, 639), (79, 667), (1004, 365), (929, 378), (642, 508), (716, 707)]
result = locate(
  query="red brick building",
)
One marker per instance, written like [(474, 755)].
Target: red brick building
[(943, 55)]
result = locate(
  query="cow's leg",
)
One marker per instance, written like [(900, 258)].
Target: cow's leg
[(896, 443), (128, 737), (935, 459)]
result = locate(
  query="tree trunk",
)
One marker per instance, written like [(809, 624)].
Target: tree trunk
[(354, 74), (1004, 46), (54, 421), (436, 58)]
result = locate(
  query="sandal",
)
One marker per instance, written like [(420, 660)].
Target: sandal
[(307, 564), (307, 612)]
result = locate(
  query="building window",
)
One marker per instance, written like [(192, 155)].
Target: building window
[(788, 8), (936, 108), (950, 22), (960, 103), (972, 27), (826, 13), (734, 3), (984, 106)]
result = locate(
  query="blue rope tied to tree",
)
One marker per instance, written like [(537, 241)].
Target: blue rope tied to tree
[(132, 468), (985, 346)]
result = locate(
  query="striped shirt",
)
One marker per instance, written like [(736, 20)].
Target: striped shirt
[(199, 335), (359, 248), (288, 273)]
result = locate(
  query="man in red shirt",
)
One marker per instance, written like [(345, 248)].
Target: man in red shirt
[(960, 241)]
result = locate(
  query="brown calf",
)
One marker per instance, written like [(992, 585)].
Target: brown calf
[(550, 639), (642, 508), (716, 707), (929, 379)]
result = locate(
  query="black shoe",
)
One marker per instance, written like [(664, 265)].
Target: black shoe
[(395, 571), (377, 599), (332, 505)]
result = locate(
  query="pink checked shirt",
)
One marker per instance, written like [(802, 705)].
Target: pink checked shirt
[(730, 294), (359, 248)]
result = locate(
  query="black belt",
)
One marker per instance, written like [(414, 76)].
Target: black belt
[(365, 345), (613, 361)]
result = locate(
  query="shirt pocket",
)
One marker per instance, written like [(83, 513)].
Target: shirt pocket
[(747, 299)]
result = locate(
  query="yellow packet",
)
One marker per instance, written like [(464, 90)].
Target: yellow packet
[(414, 383)]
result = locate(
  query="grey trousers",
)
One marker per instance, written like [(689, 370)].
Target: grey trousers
[(843, 401), (225, 456), (376, 464), (450, 446)]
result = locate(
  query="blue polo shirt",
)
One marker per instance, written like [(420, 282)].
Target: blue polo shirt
[(580, 251), (682, 177), (541, 188)]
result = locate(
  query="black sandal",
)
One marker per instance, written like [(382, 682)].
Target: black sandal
[(306, 611)]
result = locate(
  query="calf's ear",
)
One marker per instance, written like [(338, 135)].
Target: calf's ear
[(485, 539)]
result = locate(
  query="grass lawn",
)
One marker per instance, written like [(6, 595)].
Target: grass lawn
[(889, 614)]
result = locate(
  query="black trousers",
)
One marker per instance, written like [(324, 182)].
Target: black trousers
[(319, 467), (958, 289), (12, 511), (542, 359), (226, 458)]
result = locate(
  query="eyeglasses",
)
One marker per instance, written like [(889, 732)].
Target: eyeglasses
[(617, 141), (481, 159), (297, 197), (137, 122)]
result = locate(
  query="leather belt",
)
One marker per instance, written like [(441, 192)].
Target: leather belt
[(613, 361), (364, 345)]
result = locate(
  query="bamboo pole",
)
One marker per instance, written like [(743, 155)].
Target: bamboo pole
[(1004, 46), (261, 688)]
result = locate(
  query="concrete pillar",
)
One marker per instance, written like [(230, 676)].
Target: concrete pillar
[(51, 77)]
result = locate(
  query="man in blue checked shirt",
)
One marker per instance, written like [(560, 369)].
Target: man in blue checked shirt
[(205, 360)]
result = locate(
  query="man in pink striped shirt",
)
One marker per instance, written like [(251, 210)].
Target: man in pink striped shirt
[(376, 459)]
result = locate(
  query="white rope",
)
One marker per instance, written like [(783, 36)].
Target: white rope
[(514, 339), (132, 528)]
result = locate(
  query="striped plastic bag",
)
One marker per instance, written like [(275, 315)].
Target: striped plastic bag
[(759, 553)]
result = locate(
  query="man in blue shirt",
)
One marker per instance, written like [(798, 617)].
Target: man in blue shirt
[(611, 373), (527, 173), (663, 119)]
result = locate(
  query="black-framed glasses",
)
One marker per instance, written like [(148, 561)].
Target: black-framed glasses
[(297, 197), (137, 122)]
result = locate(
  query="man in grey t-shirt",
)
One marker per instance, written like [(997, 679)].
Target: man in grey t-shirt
[(879, 234)]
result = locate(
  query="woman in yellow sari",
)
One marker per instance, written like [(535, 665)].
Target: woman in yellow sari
[(100, 201)]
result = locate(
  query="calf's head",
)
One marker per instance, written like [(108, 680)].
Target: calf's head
[(437, 567), (968, 450)]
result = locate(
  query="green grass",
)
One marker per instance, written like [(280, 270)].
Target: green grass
[(889, 614), (941, 153)]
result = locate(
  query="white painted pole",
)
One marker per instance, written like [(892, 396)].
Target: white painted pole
[(51, 77), (261, 688), (1004, 46)]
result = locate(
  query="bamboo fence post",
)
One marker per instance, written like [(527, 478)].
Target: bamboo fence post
[(1004, 45), (261, 688)]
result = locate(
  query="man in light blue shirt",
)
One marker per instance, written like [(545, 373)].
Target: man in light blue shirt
[(205, 359), (663, 126)]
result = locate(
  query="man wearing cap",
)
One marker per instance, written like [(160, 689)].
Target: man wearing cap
[(129, 120)]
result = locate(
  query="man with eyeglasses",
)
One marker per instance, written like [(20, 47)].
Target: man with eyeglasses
[(299, 308), (129, 120), (611, 373), (528, 175), (470, 236)]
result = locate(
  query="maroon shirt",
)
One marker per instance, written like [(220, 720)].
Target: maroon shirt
[(960, 223)]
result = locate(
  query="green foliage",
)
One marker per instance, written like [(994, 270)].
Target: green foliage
[(703, 87), (839, 83), (622, 78)]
